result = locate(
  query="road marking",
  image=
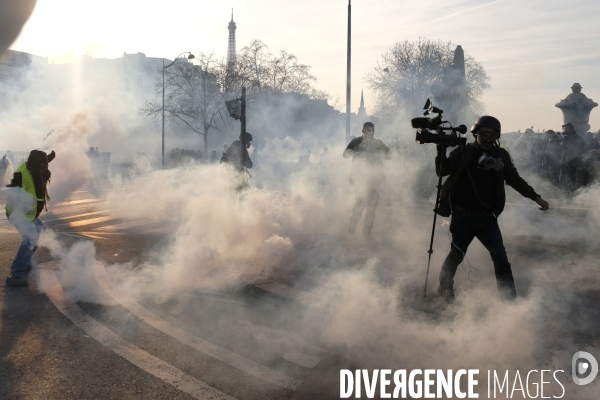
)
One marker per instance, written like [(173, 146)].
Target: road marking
[(190, 340), (73, 216), (127, 225), (91, 221), (69, 203), (93, 190), (82, 234), (138, 357)]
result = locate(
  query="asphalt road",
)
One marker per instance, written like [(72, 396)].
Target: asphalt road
[(229, 349)]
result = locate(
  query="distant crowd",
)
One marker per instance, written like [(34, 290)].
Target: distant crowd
[(566, 159), (569, 160)]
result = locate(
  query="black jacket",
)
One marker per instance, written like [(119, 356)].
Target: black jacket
[(233, 156), (454, 165), (573, 148), (367, 160)]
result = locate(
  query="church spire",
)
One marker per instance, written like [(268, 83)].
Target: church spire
[(362, 111)]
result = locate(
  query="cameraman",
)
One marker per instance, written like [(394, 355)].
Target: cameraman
[(474, 195)]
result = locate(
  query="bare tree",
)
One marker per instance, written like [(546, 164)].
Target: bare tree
[(404, 76), (264, 73), (193, 96)]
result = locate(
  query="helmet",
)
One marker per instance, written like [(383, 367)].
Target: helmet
[(576, 85), (486, 121)]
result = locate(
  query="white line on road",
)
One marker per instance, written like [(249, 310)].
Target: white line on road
[(138, 357), (91, 221), (93, 190), (60, 218), (82, 234), (70, 203), (190, 340), (127, 225)]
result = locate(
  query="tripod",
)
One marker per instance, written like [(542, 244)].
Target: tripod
[(441, 153)]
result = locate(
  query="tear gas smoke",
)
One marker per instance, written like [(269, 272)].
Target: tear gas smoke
[(365, 304), (71, 168), (366, 301)]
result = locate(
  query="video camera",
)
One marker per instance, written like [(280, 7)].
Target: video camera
[(430, 130)]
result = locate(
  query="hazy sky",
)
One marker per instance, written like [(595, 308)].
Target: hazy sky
[(534, 50)]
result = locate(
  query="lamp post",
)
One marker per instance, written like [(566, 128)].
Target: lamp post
[(237, 110), (190, 57), (348, 72)]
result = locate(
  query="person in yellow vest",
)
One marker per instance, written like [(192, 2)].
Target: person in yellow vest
[(25, 202)]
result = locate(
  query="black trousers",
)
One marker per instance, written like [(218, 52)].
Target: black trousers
[(466, 226), (367, 196)]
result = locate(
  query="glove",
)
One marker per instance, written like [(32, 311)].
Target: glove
[(51, 156), (491, 162)]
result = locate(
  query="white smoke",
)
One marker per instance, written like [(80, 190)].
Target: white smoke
[(6, 171)]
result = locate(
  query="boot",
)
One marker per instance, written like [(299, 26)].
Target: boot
[(446, 294), (507, 290), (12, 280)]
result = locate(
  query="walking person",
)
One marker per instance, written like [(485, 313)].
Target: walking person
[(26, 200), (366, 175)]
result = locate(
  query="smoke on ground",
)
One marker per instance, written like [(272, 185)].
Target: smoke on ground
[(367, 299)]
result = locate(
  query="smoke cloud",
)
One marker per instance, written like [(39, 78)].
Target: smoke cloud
[(366, 303)]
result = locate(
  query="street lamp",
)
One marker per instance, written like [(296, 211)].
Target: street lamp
[(190, 57)]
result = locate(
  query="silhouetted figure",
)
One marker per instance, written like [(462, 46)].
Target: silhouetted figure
[(573, 148), (551, 156), (214, 157), (94, 157), (475, 196), (233, 157), (366, 175)]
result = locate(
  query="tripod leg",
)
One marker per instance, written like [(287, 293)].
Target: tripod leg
[(441, 154)]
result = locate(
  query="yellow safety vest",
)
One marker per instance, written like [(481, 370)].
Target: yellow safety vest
[(28, 186)]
